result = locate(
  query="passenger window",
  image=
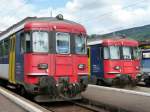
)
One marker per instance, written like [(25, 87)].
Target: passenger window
[(6, 47), (22, 43), (106, 53), (25, 42), (101, 53), (1, 49), (88, 52)]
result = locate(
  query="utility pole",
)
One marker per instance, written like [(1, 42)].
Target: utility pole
[(51, 12)]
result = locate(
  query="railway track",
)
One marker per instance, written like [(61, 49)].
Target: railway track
[(85, 106), (72, 106), (76, 106), (65, 106)]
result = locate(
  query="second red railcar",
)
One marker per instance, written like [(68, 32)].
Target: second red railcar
[(114, 59)]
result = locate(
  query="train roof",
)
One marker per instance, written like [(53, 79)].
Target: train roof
[(20, 25), (95, 42), (143, 43), (115, 42), (145, 50)]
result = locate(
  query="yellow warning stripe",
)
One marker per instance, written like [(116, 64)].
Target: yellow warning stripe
[(89, 62), (12, 60)]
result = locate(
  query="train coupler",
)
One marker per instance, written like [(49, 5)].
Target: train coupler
[(69, 90), (124, 80)]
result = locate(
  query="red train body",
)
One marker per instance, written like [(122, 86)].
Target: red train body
[(50, 62), (114, 59)]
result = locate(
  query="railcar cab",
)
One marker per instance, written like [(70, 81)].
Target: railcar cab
[(65, 47), (56, 54), (47, 53), (145, 60), (111, 58)]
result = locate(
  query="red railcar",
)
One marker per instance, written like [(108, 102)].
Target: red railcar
[(47, 58), (114, 59)]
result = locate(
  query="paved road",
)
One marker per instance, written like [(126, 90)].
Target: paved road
[(8, 106)]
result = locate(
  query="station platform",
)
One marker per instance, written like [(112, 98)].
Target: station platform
[(11, 102), (7, 105), (137, 100)]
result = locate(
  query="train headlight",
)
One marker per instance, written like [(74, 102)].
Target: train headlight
[(117, 67), (81, 66), (118, 75), (42, 66), (60, 17)]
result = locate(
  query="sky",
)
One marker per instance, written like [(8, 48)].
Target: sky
[(98, 16)]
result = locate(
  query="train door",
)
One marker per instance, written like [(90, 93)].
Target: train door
[(89, 61), (128, 65), (96, 62), (20, 50), (63, 60), (12, 59)]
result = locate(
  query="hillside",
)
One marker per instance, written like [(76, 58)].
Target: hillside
[(137, 33)]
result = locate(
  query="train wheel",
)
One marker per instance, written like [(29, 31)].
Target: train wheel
[(22, 91), (99, 82), (147, 82), (3, 83)]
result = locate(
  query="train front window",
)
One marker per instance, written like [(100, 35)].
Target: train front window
[(25, 42), (146, 55), (62, 43), (106, 53), (127, 55), (80, 44), (40, 41), (145, 59), (136, 53), (114, 52)]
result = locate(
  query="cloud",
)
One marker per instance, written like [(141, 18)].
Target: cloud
[(98, 16), (103, 16)]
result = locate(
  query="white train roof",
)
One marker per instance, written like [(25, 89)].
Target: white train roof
[(20, 25), (95, 42), (14, 28)]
